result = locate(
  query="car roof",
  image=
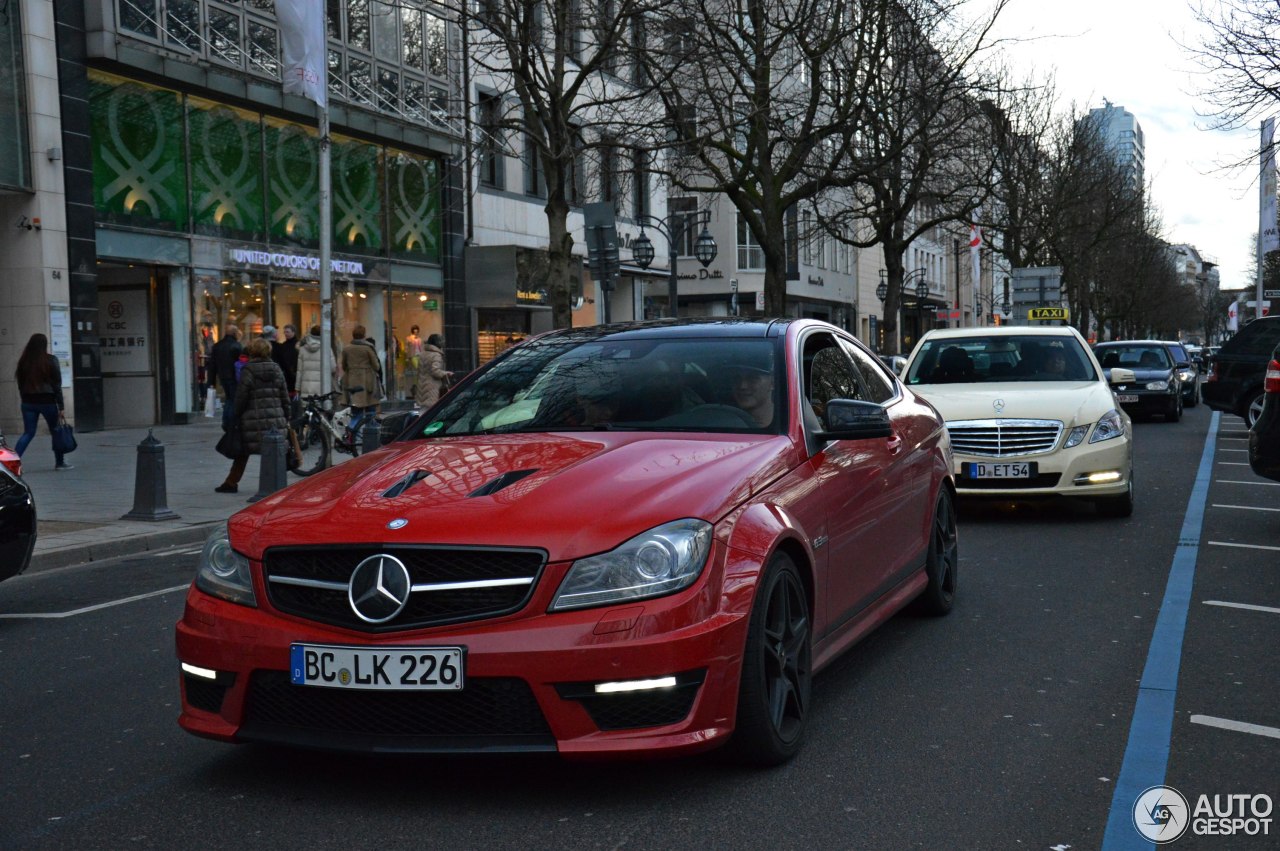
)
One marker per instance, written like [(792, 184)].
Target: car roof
[(1003, 331), (727, 326), (1135, 343)]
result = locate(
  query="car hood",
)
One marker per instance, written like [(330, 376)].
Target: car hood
[(1072, 402), (582, 494)]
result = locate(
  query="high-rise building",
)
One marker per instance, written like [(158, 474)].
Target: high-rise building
[(1123, 135)]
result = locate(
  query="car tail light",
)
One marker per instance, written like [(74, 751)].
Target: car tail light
[(1272, 382), (11, 460), (1213, 371)]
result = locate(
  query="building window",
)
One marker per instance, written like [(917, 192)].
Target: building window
[(489, 147), (535, 179), (684, 210), (15, 153), (640, 180), (576, 187), (610, 190), (750, 254)]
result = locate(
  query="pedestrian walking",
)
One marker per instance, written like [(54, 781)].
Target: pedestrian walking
[(309, 369), (262, 403), (40, 387), (361, 378), (285, 354), (432, 376), (225, 354)]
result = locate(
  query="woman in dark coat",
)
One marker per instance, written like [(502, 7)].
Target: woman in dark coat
[(40, 386), (262, 403)]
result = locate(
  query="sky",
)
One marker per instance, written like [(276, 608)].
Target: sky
[(1128, 52)]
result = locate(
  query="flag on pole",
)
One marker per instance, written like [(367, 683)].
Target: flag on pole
[(304, 43), (975, 249), (1268, 235)]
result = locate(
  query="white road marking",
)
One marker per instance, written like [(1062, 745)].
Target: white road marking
[(1244, 507), (1233, 450), (107, 605), (1242, 482), (1242, 546), (1247, 606), (1233, 463), (1236, 726)]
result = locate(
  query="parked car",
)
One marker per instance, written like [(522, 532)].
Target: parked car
[(1264, 435), (1184, 363), (1234, 383), (17, 523), (9, 458), (1029, 414), (894, 362), (655, 558), (1156, 387)]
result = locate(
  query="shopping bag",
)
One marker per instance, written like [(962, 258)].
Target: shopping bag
[(64, 438), (231, 444), (210, 403)]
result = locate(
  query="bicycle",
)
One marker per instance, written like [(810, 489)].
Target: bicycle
[(320, 431)]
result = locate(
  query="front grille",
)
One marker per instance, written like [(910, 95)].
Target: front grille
[(1004, 438), (330, 568), (489, 713)]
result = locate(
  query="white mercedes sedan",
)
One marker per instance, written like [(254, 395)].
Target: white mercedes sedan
[(1029, 412)]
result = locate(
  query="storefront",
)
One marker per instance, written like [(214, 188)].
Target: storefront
[(208, 216)]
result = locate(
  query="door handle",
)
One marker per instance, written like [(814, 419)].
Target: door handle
[(894, 444)]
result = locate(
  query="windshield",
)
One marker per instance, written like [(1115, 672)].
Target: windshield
[(980, 358), (685, 385), (1134, 356)]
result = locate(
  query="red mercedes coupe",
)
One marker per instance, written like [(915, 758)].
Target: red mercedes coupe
[(621, 540)]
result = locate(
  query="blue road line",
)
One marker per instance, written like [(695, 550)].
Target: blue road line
[(1146, 756)]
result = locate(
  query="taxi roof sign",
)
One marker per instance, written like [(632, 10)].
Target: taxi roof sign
[(1040, 313)]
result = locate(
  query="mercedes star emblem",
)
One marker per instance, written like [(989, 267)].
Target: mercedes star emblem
[(398, 523), (379, 588), (998, 404)]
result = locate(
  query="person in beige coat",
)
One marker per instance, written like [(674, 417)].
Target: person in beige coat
[(361, 378), (431, 372)]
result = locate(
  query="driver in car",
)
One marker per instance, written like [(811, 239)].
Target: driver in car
[(752, 386)]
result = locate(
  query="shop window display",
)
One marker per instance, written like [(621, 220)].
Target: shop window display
[(415, 316)]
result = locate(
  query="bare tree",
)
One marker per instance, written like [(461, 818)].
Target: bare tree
[(1241, 55), (566, 86)]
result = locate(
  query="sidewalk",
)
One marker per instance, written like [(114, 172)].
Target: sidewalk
[(80, 510)]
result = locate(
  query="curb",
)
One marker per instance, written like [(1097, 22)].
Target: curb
[(134, 545)]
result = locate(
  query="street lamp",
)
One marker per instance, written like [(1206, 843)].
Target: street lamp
[(672, 227), (921, 292)]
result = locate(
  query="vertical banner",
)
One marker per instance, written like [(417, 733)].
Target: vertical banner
[(303, 43), (975, 250)]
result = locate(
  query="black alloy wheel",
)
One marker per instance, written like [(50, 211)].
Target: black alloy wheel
[(773, 696), (943, 561)]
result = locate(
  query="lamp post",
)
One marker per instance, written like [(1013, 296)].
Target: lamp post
[(672, 227), (921, 293)]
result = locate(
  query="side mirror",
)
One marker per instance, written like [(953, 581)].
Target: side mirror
[(1182, 364), (846, 419), (1122, 376)]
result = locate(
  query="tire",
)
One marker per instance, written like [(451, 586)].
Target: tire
[(1253, 411), (1175, 410), (773, 694), (943, 561), (316, 446), (1117, 506), (1195, 395)]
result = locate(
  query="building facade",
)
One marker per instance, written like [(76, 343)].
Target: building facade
[(1124, 138)]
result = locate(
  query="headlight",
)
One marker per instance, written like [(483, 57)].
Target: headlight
[(661, 561), (1157, 385), (1111, 425), (1075, 436), (223, 572), (1187, 375)]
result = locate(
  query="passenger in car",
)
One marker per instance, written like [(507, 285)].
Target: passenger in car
[(954, 364)]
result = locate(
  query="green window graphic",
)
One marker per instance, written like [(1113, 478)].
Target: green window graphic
[(413, 189), (138, 173), (293, 185), (357, 197), (226, 171)]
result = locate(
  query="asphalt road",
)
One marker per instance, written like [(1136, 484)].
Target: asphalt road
[(1005, 725)]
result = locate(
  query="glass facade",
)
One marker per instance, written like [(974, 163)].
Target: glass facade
[(15, 153)]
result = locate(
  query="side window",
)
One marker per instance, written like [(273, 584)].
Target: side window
[(828, 373), (878, 384), (1265, 336)]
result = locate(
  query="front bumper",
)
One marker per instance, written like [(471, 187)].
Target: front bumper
[(529, 677), (1150, 401), (1062, 472)]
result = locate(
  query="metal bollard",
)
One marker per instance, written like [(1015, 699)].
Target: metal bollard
[(370, 435), (149, 492), (272, 474)]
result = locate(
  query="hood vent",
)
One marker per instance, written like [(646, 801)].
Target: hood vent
[(407, 482), (490, 488)]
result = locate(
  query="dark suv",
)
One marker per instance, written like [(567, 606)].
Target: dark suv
[(1235, 376)]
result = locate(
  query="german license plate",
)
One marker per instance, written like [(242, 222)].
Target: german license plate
[(380, 668), (1006, 470), (1127, 397)]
